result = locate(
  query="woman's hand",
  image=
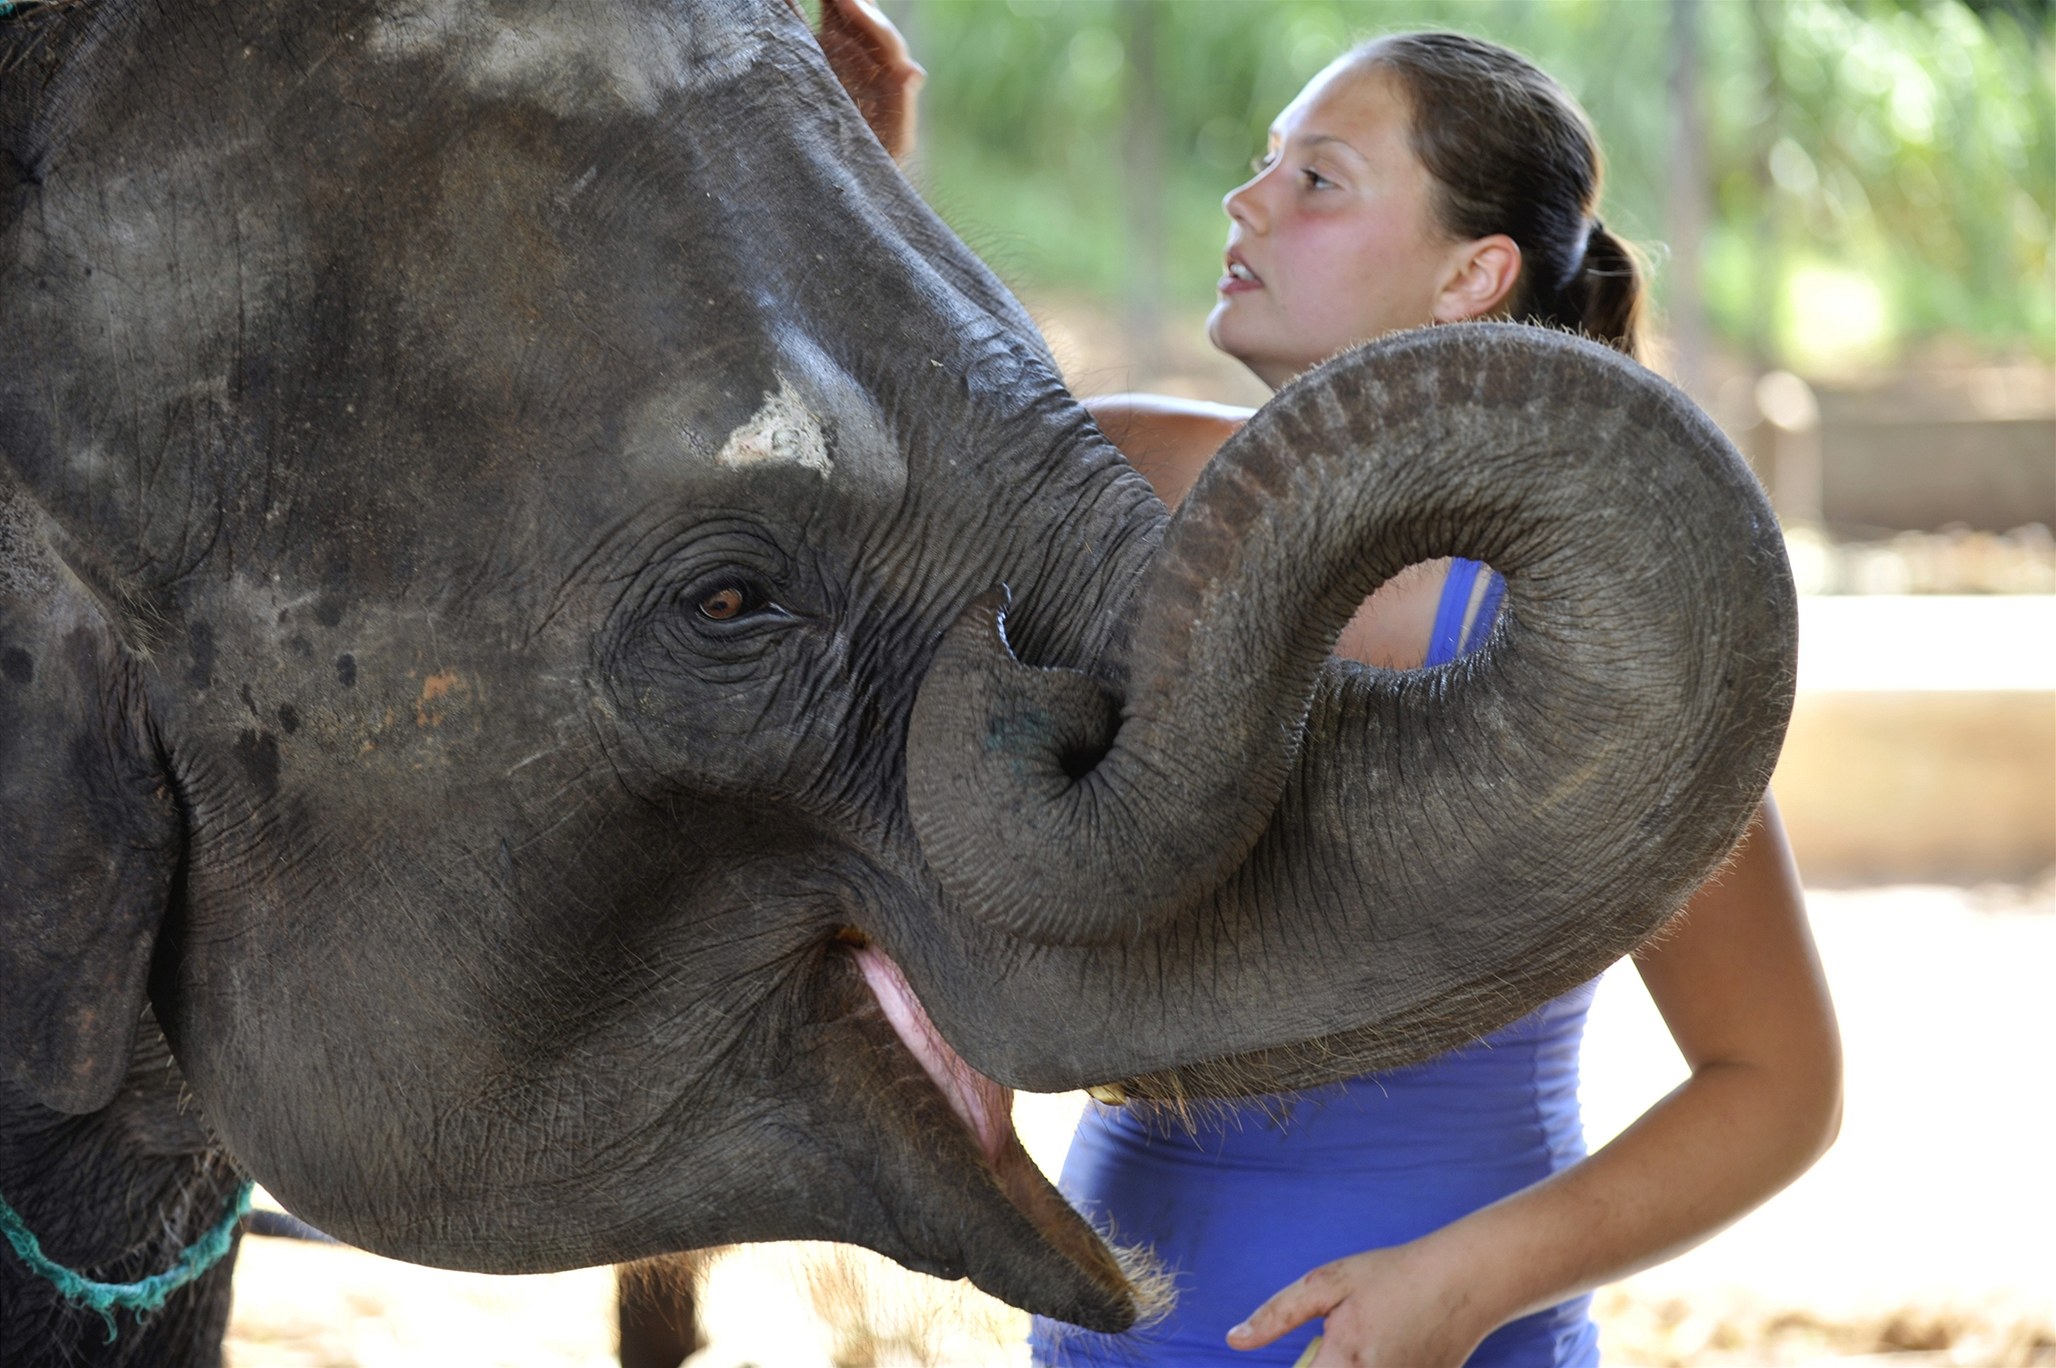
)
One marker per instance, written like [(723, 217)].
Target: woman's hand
[(870, 58), (1383, 1306)]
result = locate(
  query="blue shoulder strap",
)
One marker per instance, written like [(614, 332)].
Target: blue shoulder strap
[(1445, 643), (1457, 631)]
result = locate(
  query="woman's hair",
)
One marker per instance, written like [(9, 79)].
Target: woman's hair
[(1511, 152)]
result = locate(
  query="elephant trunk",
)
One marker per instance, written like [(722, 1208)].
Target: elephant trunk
[(1643, 661)]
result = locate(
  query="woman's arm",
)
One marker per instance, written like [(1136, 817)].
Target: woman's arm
[(1740, 986), (1168, 440)]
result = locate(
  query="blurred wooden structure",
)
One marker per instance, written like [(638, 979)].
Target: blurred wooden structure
[(1913, 451), (1923, 743)]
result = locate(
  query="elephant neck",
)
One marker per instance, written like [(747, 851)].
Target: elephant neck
[(120, 1225)]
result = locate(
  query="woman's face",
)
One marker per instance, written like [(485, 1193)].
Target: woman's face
[(1334, 240)]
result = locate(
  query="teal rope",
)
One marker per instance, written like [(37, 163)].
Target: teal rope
[(147, 1294)]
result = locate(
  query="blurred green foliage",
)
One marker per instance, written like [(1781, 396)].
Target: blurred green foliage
[(1880, 173)]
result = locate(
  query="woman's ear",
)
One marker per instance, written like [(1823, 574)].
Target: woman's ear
[(1479, 279)]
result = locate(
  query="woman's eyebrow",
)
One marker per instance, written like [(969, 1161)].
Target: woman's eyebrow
[(1310, 140)]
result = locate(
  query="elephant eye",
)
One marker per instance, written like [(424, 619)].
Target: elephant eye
[(731, 600), (727, 601)]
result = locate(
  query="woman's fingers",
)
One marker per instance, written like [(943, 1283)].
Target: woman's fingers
[(865, 24), (869, 56), (1316, 1294)]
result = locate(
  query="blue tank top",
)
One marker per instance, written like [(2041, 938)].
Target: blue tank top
[(1251, 1195)]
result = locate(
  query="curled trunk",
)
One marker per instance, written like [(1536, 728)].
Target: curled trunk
[(1489, 830)]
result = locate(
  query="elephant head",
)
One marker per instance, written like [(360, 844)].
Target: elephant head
[(567, 638)]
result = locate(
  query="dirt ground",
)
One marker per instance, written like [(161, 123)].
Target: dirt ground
[(1928, 1234)]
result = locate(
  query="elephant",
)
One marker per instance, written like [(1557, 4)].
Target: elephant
[(574, 685)]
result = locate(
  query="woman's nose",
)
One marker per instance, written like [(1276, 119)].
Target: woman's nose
[(1244, 204)]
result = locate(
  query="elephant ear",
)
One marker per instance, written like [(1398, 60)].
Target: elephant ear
[(89, 831)]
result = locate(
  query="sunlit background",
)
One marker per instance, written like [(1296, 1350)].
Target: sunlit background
[(1849, 208)]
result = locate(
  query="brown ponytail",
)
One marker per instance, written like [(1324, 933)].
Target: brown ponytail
[(1511, 152), (1603, 298)]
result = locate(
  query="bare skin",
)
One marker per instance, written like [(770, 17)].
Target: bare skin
[(870, 58), (1333, 242)]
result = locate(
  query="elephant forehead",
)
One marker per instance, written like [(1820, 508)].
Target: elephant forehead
[(782, 431), (820, 422), (134, 263), (568, 59), (26, 570)]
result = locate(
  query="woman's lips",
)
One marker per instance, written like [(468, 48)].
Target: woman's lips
[(1237, 278)]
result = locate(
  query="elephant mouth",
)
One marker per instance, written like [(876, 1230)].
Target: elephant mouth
[(984, 1106), (1029, 1246)]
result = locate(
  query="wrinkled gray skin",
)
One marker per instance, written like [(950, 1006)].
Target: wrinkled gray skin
[(397, 399)]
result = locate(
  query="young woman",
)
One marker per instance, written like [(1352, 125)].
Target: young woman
[(1448, 1212)]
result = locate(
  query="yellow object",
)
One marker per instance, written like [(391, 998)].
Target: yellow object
[(1314, 1347)]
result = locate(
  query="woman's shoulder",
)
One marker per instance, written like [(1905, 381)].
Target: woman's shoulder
[(1169, 440)]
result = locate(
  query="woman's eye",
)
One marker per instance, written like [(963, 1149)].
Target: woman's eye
[(728, 601), (1314, 179)]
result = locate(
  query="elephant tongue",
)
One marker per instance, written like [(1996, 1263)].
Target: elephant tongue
[(983, 1105)]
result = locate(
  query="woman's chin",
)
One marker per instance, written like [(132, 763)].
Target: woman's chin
[(1270, 363), (1221, 331)]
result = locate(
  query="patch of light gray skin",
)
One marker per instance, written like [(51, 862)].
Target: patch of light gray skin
[(24, 564), (783, 431), (569, 59)]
